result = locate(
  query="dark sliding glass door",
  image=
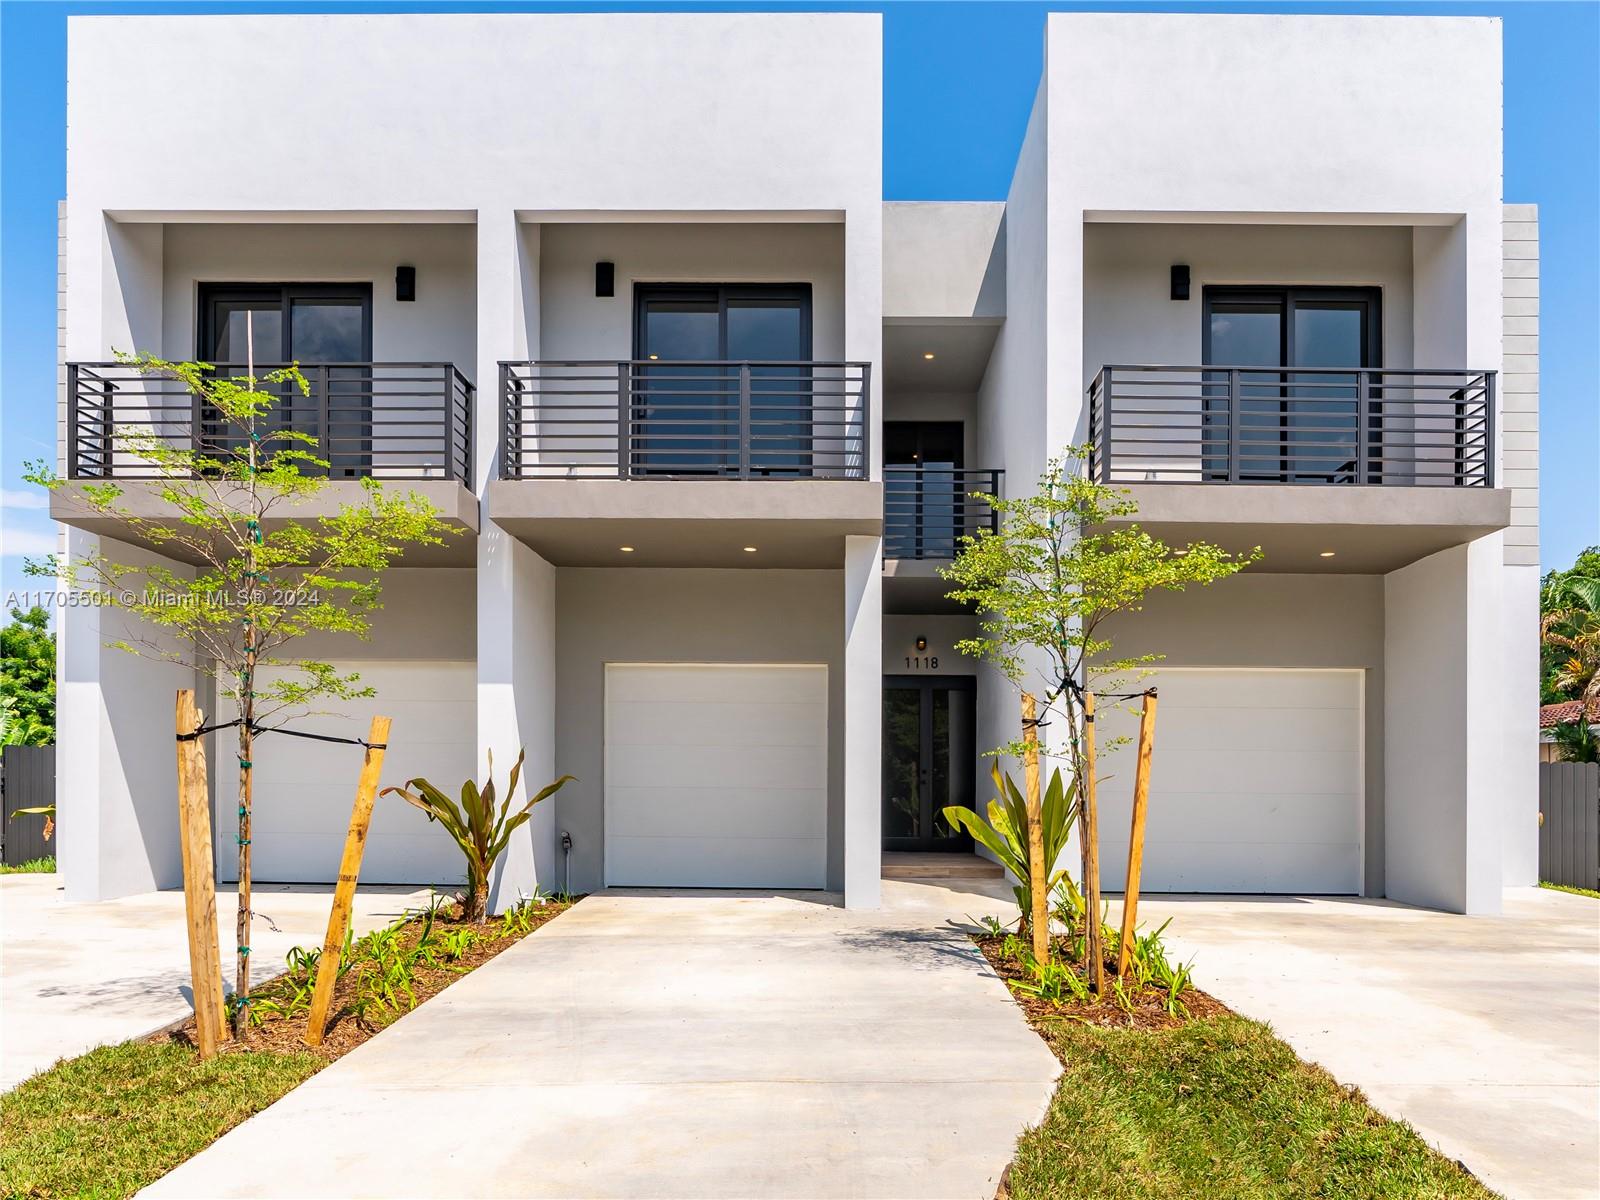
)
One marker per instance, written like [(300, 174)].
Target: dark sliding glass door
[(1294, 426), (924, 507), (929, 759), (686, 411), (313, 325)]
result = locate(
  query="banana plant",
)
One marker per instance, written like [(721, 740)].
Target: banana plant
[(481, 831), (1005, 833)]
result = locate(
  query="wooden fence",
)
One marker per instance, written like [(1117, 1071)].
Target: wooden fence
[(27, 780), (1569, 824)]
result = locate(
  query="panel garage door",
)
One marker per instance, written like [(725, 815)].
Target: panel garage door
[(716, 776), (1255, 784), (304, 789)]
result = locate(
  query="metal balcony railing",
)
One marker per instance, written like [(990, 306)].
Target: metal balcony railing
[(384, 420), (650, 419), (928, 510), (1330, 426)]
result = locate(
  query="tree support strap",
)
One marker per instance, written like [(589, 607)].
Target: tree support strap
[(258, 729)]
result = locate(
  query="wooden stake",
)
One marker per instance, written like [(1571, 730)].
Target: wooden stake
[(1141, 802), (344, 892), (1037, 867), (199, 878), (1091, 853)]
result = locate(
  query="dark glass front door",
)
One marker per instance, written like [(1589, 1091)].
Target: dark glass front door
[(929, 759), (309, 324), (686, 416)]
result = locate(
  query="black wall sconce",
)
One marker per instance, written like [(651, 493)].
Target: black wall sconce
[(922, 644), (605, 279), (1180, 281), (405, 283)]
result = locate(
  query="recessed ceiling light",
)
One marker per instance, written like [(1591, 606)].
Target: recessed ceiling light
[(1179, 553), (928, 354), (749, 549), (1326, 554), (626, 549)]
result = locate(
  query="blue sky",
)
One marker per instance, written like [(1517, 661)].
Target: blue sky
[(958, 82)]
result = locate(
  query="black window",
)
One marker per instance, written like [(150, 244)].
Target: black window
[(325, 327), (1293, 426), (687, 409)]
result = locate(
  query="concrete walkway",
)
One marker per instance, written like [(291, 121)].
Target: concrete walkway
[(76, 976), (1483, 1033), (675, 1045)]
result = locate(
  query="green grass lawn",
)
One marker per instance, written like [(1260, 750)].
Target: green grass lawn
[(120, 1117), (1216, 1107), (1575, 891), (34, 866)]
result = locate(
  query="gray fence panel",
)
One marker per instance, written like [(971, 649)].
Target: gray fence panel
[(1569, 824), (29, 781)]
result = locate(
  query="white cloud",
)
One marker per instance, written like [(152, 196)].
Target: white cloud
[(30, 543), (20, 498)]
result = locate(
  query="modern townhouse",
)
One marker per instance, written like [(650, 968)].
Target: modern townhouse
[(622, 296)]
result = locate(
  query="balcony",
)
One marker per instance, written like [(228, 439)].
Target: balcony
[(1343, 470), (406, 422), (687, 464), (928, 510), (649, 419), (383, 420), (1255, 425)]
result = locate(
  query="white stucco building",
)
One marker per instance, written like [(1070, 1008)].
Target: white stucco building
[(626, 302)]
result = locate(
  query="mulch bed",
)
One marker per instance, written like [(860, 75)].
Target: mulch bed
[(1149, 1010), (345, 1031)]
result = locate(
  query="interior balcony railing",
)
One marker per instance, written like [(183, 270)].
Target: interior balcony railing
[(651, 419), (388, 420), (927, 510), (1321, 426)]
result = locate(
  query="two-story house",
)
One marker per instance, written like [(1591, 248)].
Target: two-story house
[(622, 296)]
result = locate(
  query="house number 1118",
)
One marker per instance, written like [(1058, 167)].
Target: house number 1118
[(922, 662)]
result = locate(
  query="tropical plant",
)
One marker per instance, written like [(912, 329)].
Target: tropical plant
[(479, 830), (28, 679), (1005, 833), (47, 811), (1569, 630), (1576, 741), (259, 585), (1057, 566)]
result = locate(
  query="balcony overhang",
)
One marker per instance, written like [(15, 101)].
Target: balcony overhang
[(141, 501), (1371, 530), (792, 523)]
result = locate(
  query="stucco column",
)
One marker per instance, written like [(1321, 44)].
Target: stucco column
[(516, 587), (863, 720), (1443, 741)]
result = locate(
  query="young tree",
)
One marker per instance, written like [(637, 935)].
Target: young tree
[(1044, 585), (256, 588)]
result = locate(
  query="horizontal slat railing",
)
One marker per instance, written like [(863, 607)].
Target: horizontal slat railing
[(1339, 425), (384, 420), (650, 419), (928, 510)]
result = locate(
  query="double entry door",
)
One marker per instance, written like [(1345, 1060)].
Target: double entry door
[(327, 329), (929, 759)]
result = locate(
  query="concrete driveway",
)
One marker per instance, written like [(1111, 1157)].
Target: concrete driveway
[(1483, 1033), (674, 1045), (76, 976)]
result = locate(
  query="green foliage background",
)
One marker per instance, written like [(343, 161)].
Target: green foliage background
[(28, 676), (1551, 657)]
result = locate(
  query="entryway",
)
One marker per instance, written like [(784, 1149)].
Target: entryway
[(929, 759)]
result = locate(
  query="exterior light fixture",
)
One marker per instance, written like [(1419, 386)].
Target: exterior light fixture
[(928, 354), (1326, 554), (749, 549), (922, 644), (626, 549), (405, 284), (605, 279), (1180, 281), (655, 356)]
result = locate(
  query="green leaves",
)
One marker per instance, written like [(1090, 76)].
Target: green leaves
[(478, 829), (1005, 834)]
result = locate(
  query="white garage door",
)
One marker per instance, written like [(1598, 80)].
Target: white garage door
[(1255, 784), (716, 776), (304, 789)]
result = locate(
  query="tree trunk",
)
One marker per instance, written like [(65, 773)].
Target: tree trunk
[(476, 901), (241, 986)]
